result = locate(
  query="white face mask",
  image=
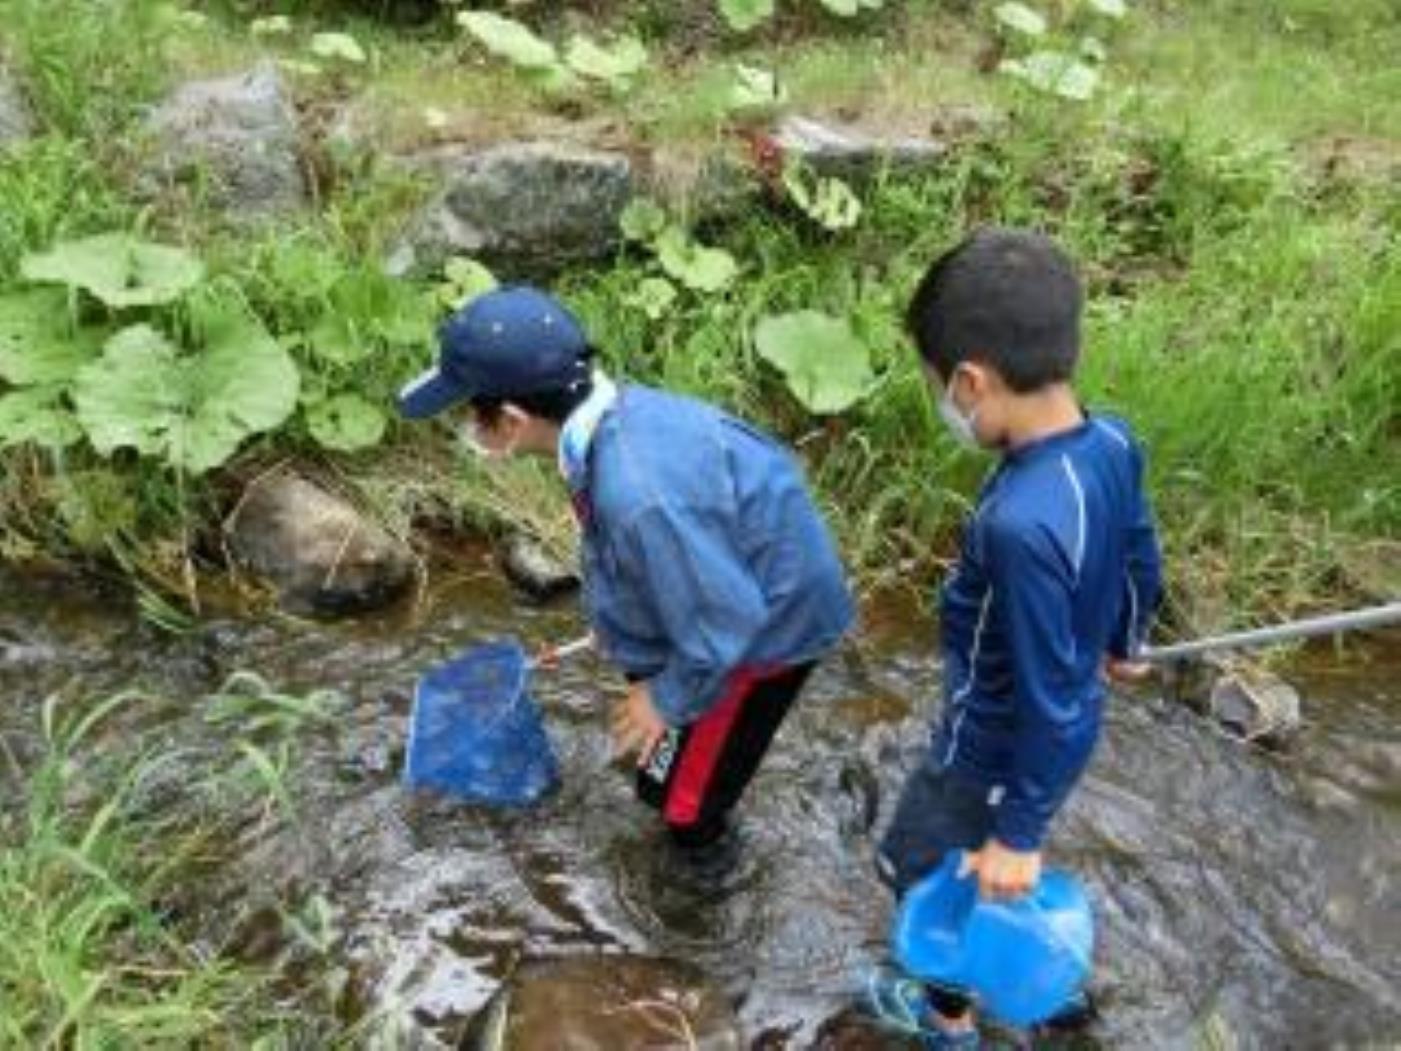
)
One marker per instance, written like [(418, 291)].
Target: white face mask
[(960, 426)]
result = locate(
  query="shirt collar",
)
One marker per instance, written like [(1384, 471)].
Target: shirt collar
[(576, 436)]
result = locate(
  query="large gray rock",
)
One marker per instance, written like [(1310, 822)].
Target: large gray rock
[(526, 207), (16, 122), (236, 137), (614, 1002), (321, 554), (849, 152)]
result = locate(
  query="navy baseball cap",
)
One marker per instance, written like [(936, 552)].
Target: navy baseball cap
[(507, 342)]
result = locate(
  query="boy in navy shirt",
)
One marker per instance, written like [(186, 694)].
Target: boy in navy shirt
[(1056, 581), (710, 578)]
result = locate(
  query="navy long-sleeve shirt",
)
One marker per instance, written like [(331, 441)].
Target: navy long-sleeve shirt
[(1059, 568)]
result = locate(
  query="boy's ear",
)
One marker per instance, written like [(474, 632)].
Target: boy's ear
[(981, 379), (514, 416)]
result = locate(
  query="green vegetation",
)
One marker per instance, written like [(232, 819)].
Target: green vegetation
[(1245, 291), (98, 944)]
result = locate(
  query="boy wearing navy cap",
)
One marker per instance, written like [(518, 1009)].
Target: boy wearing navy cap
[(1055, 585), (710, 578)]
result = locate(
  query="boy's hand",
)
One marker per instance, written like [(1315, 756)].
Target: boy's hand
[(1003, 873), (1126, 673), (636, 725)]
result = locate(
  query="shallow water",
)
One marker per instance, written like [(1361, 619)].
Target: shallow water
[(1236, 890)]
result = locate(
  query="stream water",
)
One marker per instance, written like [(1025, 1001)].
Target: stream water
[(1241, 895)]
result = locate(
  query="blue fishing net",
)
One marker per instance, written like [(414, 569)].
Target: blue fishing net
[(476, 733)]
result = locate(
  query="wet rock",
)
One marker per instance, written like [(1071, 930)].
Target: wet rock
[(320, 553), (1255, 706), (718, 186), (530, 566), (237, 138), (591, 1003), (527, 207), (966, 122), (16, 121), (851, 153), (16, 651)]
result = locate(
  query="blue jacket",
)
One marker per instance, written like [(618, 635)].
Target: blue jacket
[(702, 550), (1059, 568)]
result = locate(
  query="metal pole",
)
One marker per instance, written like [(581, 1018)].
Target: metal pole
[(1373, 617)]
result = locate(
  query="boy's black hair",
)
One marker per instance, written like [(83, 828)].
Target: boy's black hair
[(1006, 298), (554, 404)]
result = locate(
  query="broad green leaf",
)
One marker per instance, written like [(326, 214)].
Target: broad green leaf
[(694, 265), (827, 201), (191, 409), (843, 8), (1093, 49), (118, 269), (755, 88), (129, 397), (826, 364), (37, 415), (615, 65), (654, 297), (272, 25), (338, 47), (346, 422), (744, 15), (509, 39), (1109, 8), (299, 68), (1055, 72), (338, 340), (466, 279), (1021, 18), (39, 342), (642, 220)]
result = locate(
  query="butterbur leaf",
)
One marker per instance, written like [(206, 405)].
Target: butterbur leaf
[(755, 88), (37, 415), (337, 339), (39, 343), (1055, 72), (346, 422), (190, 409), (338, 47), (1109, 8), (118, 269), (826, 365), (465, 280), (615, 65), (654, 297), (642, 220), (1021, 18), (694, 265), (272, 25), (744, 15), (506, 38), (828, 201)]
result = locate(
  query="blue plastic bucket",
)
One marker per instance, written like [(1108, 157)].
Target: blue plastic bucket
[(1022, 960)]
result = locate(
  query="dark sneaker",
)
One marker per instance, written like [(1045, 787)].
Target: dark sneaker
[(902, 1003)]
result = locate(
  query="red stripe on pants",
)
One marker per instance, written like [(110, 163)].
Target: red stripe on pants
[(704, 745)]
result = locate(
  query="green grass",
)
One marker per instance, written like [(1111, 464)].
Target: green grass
[(86, 960), (106, 937), (1243, 308)]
